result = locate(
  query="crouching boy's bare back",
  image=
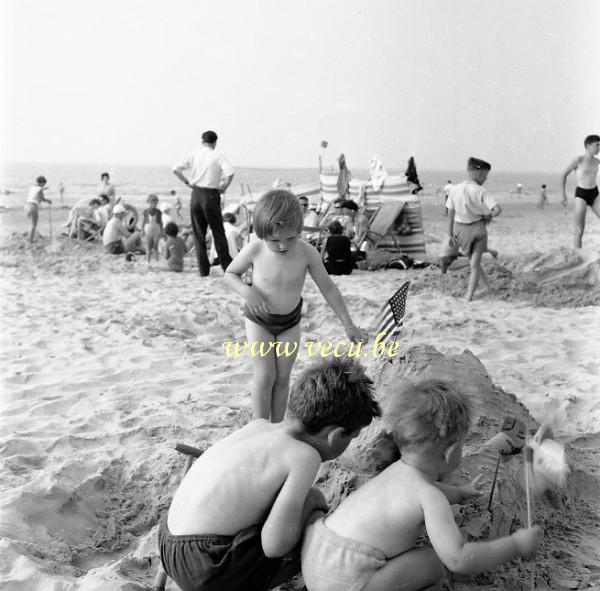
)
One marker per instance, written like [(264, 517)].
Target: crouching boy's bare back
[(261, 463)]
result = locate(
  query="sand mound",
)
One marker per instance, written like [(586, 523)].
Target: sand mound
[(559, 278)]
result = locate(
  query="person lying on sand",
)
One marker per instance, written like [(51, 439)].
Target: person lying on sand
[(238, 515), (586, 193), (470, 209), (273, 307), (369, 541)]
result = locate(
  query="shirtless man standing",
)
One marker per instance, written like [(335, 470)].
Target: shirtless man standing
[(586, 193)]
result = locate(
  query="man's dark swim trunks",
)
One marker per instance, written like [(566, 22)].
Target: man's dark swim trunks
[(276, 323), (588, 195), (209, 562)]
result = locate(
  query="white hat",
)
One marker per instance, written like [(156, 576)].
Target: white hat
[(118, 208), (164, 207)]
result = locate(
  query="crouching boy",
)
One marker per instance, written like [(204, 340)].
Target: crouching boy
[(237, 518), (369, 542)]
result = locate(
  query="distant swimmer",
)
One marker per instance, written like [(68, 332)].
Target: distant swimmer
[(586, 193), (543, 200)]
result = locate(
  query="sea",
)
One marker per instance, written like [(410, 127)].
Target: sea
[(134, 183)]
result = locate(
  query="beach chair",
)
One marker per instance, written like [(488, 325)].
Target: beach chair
[(380, 225), (405, 232), (390, 317), (191, 454)]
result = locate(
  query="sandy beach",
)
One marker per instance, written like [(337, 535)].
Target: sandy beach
[(107, 364)]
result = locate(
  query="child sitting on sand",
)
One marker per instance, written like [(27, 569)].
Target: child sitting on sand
[(152, 226), (470, 209), (369, 541), (274, 300), (175, 248), (243, 505), (34, 199)]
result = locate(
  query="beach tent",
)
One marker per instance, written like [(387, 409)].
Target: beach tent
[(405, 228)]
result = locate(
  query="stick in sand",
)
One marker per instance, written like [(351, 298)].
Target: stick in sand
[(528, 469), (50, 219)]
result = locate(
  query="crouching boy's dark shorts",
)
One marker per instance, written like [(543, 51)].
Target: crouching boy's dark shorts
[(210, 562)]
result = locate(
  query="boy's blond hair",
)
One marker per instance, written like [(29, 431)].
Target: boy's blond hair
[(428, 414), (277, 210)]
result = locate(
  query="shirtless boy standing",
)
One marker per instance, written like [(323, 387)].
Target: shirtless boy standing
[(586, 193), (273, 308)]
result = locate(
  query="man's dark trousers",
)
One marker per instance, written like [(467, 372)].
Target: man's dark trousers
[(205, 210)]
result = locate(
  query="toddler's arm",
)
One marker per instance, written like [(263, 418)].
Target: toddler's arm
[(295, 502), (471, 557), (460, 494), (331, 293)]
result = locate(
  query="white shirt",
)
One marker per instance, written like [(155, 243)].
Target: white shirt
[(35, 195), (470, 202), (114, 231), (206, 168), (448, 188)]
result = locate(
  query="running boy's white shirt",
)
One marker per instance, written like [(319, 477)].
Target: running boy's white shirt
[(35, 195), (470, 202)]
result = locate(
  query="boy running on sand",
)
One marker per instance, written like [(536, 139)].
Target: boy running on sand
[(586, 193), (35, 197), (273, 306), (243, 505), (470, 209), (369, 542)]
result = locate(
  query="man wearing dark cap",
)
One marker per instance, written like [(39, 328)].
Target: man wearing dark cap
[(208, 175), (470, 208)]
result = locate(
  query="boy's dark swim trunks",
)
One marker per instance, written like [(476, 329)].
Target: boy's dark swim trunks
[(588, 195), (276, 323), (208, 562)]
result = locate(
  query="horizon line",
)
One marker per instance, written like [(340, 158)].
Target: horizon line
[(248, 167)]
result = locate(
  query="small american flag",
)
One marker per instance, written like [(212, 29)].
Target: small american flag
[(391, 315)]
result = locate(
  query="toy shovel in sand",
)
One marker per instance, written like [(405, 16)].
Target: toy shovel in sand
[(509, 442)]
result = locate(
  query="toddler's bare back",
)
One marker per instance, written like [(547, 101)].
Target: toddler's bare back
[(386, 512)]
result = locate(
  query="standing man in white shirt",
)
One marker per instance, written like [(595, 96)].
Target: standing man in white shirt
[(208, 174)]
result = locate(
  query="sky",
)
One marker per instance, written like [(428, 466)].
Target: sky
[(137, 81)]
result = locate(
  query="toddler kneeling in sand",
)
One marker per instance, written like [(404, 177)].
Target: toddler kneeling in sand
[(369, 541), (237, 517)]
